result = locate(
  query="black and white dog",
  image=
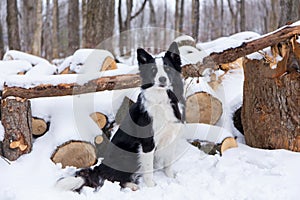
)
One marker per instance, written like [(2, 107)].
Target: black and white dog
[(149, 131)]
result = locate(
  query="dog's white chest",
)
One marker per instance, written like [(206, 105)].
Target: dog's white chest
[(165, 125)]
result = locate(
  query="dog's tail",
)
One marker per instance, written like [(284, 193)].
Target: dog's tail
[(85, 177)]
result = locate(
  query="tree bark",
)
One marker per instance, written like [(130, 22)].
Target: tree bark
[(37, 39), (270, 114), (1, 44), (28, 21), (100, 22), (195, 19), (13, 25), (16, 120), (47, 33), (243, 15), (55, 25), (73, 26), (289, 11)]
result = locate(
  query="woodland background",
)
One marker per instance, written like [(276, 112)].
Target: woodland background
[(55, 29)]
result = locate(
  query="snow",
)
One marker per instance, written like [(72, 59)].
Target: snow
[(84, 60), (32, 81), (223, 43), (184, 38), (12, 67), (18, 55)]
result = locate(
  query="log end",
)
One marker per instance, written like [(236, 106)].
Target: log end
[(79, 154)]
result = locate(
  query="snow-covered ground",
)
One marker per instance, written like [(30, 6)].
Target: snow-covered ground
[(242, 173)]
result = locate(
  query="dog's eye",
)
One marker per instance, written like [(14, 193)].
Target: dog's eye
[(153, 70), (167, 69)]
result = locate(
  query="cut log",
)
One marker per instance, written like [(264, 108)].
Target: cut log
[(98, 139), (96, 85), (39, 127), (109, 64), (271, 111), (79, 154), (202, 107), (16, 120), (99, 118), (228, 143)]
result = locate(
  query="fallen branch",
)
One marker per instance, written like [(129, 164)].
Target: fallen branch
[(246, 48), (63, 89)]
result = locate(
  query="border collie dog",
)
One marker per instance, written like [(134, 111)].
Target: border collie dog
[(148, 133)]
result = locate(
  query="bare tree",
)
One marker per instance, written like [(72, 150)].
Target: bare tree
[(243, 15), (73, 26), (289, 11), (28, 20), (47, 33), (1, 43), (274, 15), (13, 25), (195, 19), (234, 15), (124, 42), (37, 41), (99, 22), (179, 15), (55, 17), (83, 18)]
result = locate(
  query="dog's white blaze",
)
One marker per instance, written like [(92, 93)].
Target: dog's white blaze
[(160, 71)]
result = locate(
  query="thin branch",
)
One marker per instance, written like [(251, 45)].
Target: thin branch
[(139, 11)]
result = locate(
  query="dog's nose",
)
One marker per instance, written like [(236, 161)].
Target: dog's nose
[(162, 79)]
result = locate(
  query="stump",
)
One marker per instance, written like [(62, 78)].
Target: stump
[(79, 154), (271, 107), (16, 120), (202, 107)]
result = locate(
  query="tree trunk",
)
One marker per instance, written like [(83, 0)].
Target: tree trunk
[(100, 22), (181, 17), (73, 26), (195, 19), (243, 15), (28, 24), (16, 120), (177, 15), (84, 13), (13, 25), (289, 11), (1, 44), (47, 33), (37, 39), (55, 25)]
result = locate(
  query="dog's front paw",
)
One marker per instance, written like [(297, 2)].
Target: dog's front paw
[(150, 183), (169, 172)]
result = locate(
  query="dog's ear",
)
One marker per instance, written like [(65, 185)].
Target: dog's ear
[(173, 54), (143, 56)]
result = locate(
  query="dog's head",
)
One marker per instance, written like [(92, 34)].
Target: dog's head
[(161, 72)]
